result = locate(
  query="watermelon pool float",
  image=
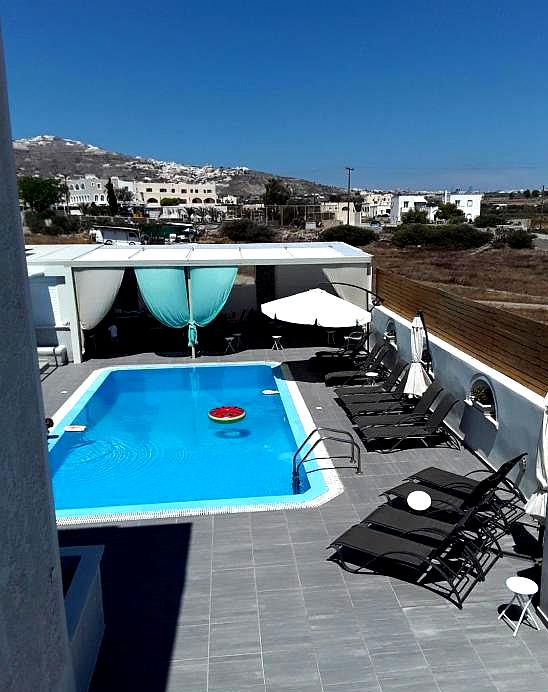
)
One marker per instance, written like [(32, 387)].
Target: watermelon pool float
[(226, 414)]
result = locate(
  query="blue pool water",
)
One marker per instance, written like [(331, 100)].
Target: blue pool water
[(149, 444)]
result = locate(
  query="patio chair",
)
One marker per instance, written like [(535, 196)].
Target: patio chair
[(375, 551), (463, 485), (452, 500), (362, 363), (390, 390), (475, 533), (370, 364), (430, 427), (395, 411), (356, 342)]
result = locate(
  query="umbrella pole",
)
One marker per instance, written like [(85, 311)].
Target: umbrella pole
[(189, 296)]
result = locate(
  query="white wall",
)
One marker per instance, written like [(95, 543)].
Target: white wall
[(290, 280), (519, 410), (469, 204), (50, 311)]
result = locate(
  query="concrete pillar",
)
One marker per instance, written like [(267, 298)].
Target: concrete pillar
[(34, 650)]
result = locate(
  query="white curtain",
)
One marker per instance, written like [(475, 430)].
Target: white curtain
[(417, 379), (96, 290), (536, 506)]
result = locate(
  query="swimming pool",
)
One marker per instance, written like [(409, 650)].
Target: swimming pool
[(149, 449)]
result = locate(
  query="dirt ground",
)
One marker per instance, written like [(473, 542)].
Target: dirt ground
[(515, 280)]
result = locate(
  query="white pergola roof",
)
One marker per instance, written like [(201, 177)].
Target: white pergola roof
[(191, 254)]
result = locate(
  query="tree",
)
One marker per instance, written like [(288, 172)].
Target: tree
[(276, 192), (535, 193), (40, 194), (170, 201), (124, 195), (414, 216), (450, 212), (111, 198), (527, 194)]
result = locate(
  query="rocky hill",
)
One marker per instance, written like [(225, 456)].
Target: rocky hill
[(49, 156)]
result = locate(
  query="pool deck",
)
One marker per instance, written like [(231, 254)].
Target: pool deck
[(240, 602)]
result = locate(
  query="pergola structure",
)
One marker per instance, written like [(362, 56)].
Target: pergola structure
[(68, 261)]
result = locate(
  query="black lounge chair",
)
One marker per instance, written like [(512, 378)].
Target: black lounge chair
[(359, 375), (356, 342), (394, 411), (484, 496), (426, 429), (372, 360), (378, 551), (464, 485), (476, 534)]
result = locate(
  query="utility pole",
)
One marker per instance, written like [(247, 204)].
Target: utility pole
[(349, 169), (541, 229)]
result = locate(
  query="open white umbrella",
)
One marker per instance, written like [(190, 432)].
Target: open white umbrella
[(536, 506), (417, 378), (316, 307)]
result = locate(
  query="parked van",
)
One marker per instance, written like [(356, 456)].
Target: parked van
[(115, 235)]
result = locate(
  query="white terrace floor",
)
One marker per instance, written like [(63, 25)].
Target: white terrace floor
[(248, 602)]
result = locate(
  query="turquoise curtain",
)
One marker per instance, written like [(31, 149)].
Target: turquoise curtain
[(209, 289), (164, 291)]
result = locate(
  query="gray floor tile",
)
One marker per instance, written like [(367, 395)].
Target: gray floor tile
[(238, 637), (188, 675), (236, 673), (191, 642), (297, 667), (277, 577)]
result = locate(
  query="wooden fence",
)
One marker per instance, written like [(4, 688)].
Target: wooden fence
[(513, 345)]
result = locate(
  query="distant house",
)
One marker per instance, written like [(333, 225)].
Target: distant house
[(468, 202), (187, 193), (402, 204)]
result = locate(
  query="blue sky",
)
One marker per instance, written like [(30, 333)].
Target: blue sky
[(412, 94)]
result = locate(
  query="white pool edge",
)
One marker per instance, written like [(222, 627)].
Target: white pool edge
[(328, 471)]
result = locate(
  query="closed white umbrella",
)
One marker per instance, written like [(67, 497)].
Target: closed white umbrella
[(536, 506), (417, 378), (316, 307)]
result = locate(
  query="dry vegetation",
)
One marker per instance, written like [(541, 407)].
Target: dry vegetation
[(42, 239), (502, 276)]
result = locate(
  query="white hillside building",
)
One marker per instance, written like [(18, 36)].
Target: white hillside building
[(87, 189), (187, 193), (401, 204), (469, 203)]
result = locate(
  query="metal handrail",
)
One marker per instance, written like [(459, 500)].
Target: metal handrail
[(337, 436)]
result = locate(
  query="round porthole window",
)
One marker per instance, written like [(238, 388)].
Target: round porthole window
[(483, 398)]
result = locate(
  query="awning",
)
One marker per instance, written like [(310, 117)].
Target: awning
[(316, 307)]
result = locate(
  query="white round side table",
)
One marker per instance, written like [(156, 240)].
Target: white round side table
[(523, 589), (419, 500), (371, 376)]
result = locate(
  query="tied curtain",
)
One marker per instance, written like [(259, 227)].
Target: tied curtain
[(181, 296), (417, 379), (96, 290)]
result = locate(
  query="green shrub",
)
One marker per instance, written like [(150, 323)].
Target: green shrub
[(170, 201), (348, 234), (489, 220), (515, 238), (414, 216), (35, 222), (447, 237), (247, 231)]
